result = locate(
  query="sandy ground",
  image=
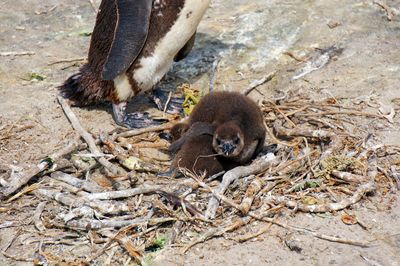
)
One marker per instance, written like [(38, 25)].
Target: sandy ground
[(250, 38)]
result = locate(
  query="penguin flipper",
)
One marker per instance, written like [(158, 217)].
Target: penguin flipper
[(197, 129), (130, 33)]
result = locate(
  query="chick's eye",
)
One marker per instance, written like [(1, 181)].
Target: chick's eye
[(236, 140), (218, 141)]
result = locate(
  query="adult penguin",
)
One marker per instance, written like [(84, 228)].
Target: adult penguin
[(133, 45)]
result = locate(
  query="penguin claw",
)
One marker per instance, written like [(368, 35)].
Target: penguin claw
[(161, 98), (133, 120)]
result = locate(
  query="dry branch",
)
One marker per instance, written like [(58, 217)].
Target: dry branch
[(37, 216), (255, 186), (348, 177), (258, 82), (87, 137), (124, 193), (76, 182), (17, 53), (67, 60), (386, 8), (256, 167)]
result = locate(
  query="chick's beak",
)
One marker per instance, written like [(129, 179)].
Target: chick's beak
[(228, 148)]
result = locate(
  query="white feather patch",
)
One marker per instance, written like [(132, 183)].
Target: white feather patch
[(156, 66), (123, 87)]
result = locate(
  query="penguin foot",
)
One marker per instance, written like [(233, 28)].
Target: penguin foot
[(141, 120), (162, 98), (273, 148), (133, 120), (171, 173)]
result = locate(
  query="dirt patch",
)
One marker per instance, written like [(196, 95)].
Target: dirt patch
[(248, 40)]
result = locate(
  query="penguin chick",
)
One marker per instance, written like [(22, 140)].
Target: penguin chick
[(228, 140), (198, 156), (239, 127)]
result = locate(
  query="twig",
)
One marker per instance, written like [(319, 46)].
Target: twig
[(98, 224), (255, 186), (216, 232), (213, 74), (36, 217), (256, 234), (69, 60), (15, 257), (16, 183), (396, 176), (256, 167), (386, 8), (355, 113), (135, 132), (94, 7), (145, 189), (259, 82), (17, 53), (127, 244), (348, 177), (24, 191), (76, 182), (87, 137)]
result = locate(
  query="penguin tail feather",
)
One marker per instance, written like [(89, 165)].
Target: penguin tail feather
[(84, 88)]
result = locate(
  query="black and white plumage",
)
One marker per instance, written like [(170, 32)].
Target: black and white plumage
[(133, 45)]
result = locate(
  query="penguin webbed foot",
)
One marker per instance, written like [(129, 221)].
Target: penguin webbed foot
[(141, 120), (133, 120), (273, 148), (162, 97), (171, 173)]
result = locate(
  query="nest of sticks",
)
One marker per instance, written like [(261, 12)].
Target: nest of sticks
[(104, 192)]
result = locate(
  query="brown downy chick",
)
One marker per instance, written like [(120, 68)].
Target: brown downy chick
[(193, 149), (197, 155), (239, 127)]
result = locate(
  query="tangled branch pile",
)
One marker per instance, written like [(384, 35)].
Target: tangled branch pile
[(107, 195)]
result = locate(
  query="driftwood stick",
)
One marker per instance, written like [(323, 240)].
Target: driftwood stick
[(256, 167), (259, 82), (87, 137), (104, 207), (17, 53), (124, 193), (255, 186), (76, 182), (16, 183), (98, 224), (37, 216), (348, 177)]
